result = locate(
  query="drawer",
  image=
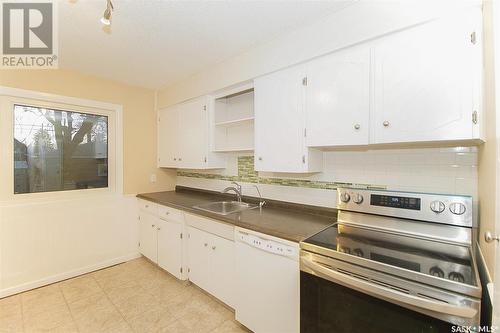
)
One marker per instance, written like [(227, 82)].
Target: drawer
[(217, 228), (171, 214), (148, 206)]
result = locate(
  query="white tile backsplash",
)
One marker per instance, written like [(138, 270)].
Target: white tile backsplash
[(436, 170), (441, 170)]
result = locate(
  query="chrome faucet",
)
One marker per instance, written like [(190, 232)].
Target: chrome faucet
[(236, 189), (238, 186), (261, 202)]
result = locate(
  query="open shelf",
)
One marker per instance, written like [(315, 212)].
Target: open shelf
[(235, 122), (234, 150)]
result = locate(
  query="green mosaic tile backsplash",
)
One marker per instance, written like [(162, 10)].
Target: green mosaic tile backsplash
[(247, 174)]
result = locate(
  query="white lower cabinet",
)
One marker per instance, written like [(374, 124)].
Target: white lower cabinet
[(257, 275), (170, 247), (211, 258), (161, 239), (222, 265), (148, 235), (198, 257)]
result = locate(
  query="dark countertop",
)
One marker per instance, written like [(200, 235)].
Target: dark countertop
[(280, 219)]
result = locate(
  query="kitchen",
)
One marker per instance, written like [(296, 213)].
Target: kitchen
[(299, 166)]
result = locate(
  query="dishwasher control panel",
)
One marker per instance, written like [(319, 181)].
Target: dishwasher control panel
[(267, 245)]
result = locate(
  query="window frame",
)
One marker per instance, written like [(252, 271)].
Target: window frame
[(9, 97)]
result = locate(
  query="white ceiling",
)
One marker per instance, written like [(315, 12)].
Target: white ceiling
[(155, 43)]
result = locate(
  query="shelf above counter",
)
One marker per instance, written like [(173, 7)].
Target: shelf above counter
[(235, 122), (233, 150)]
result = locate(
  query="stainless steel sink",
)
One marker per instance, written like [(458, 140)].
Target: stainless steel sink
[(225, 207)]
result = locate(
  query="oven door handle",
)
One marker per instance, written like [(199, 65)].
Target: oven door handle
[(387, 293)]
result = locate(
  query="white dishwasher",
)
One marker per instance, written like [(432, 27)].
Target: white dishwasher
[(267, 283)]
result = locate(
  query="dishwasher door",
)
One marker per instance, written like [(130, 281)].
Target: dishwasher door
[(267, 283)]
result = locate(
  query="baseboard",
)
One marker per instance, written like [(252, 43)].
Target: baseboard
[(67, 275)]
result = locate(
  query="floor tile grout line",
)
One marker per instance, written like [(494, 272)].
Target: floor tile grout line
[(22, 312), (143, 276), (69, 308), (115, 306)]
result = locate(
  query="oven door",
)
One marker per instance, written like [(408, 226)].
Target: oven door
[(339, 297)]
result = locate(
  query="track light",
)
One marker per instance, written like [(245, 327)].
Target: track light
[(106, 17)]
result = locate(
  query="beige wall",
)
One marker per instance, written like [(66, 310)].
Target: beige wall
[(488, 151), (139, 119)]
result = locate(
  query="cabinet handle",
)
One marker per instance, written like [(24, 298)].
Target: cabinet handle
[(260, 158), (180, 159), (147, 206), (386, 123), (158, 228), (213, 247), (206, 244), (357, 126), (152, 225), (175, 159), (166, 213)]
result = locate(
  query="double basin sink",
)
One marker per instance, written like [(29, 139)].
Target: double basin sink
[(225, 207)]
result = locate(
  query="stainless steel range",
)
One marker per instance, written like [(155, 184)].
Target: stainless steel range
[(394, 261)]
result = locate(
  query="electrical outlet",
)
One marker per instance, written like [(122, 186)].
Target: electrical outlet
[(152, 178)]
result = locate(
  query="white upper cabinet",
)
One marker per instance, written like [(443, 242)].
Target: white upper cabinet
[(425, 82), (280, 123), (338, 98), (183, 136), (168, 137)]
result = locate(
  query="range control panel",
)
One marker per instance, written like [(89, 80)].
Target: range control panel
[(447, 209), (395, 201)]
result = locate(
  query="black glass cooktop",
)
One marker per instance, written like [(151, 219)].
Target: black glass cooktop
[(419, 256)]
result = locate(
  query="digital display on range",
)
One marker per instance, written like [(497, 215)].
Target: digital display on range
[(395, 202)]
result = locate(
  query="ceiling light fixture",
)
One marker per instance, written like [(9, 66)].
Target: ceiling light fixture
[(106, 17)]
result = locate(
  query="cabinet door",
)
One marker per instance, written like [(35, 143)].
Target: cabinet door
[(338, 99), (193, 135), (222, 269), (168, 137), (198, 258), (170, 247), (148, 234), (279, 121), (424, 83)]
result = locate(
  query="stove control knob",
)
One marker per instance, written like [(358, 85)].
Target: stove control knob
[(358, 253), (345, 197), (345, 249), (436, 271), (357, 198), (457, 208), (437, 206), (455, 276)]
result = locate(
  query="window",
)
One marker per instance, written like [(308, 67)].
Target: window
[(57, 150)]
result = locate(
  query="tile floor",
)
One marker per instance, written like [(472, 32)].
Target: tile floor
[(132, 297)]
